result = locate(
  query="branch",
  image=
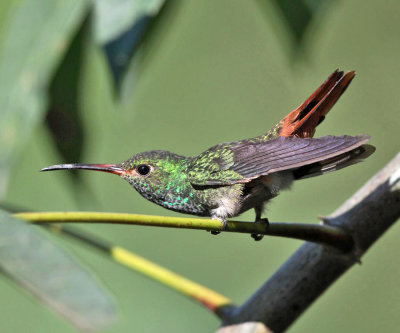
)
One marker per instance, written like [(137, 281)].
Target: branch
[(324, 234), (313, 268)]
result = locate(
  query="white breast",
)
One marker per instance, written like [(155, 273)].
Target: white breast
[(226, 208)]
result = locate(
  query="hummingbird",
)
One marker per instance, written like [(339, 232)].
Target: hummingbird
[(233, 177)]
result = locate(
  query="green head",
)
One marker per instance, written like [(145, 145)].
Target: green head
[(159, 176), (155, 174)]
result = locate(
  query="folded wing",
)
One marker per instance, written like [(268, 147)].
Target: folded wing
[(243, 162)]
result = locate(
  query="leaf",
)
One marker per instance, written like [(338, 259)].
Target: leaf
[(53, 276), (120, 27), (34, 39), (120, 50), (114, 17), (298, 14), (63, 116)]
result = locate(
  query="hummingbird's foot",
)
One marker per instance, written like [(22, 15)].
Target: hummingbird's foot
[(217, 232), (258, 237)]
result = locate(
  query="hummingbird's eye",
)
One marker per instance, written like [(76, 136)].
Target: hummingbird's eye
[(143, 169)]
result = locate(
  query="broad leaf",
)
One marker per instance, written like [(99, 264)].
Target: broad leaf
[(52, 275), (120, 27), (114, 17), (298, 14), (34, 39), (64, 115)]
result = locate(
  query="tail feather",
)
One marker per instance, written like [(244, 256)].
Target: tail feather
[(302, 121), (336, 163)]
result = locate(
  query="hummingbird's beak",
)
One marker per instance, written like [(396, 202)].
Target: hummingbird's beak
[(111, 168)]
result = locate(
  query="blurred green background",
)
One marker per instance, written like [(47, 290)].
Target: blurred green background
[(213, 71)]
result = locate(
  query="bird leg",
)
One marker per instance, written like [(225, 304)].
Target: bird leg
[(265, 222)]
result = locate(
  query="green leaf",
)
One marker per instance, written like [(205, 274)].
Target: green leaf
[(63, 117), (52, 275), (113, 17), (298, 14), (120, 51), (33, 40), (120, 27)]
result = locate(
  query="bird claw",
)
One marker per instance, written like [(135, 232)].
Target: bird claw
[(258, 237), (217, 232)]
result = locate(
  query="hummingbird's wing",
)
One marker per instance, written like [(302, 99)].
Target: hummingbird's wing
[(241, 162)]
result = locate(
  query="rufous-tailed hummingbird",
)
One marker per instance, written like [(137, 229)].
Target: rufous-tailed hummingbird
[(230, 178)]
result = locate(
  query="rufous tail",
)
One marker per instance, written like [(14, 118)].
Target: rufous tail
[(302, 121)]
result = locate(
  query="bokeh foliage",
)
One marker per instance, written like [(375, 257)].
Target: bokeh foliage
[(202, 72)]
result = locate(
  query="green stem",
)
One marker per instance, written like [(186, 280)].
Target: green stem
[(323, 234)]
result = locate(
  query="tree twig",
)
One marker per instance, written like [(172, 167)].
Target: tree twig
[(323, 234)]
